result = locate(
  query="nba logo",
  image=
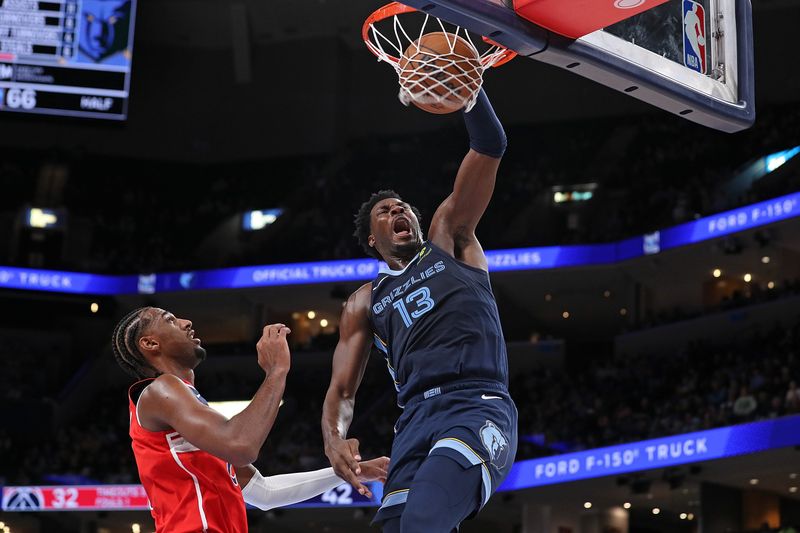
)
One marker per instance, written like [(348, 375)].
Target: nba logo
[(694, 36)]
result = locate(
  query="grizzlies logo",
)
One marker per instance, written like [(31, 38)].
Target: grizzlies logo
[(495, 443), (104, 28)]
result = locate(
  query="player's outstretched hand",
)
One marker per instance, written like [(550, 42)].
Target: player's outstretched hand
[(273, 349), (344, 458), (374, 469)]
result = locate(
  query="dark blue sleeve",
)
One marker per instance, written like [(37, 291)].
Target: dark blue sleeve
[(486, 134)]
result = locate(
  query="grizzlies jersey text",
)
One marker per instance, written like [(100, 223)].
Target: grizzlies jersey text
[(436, 322)]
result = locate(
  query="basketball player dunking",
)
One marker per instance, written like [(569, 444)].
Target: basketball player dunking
[(186, 451), (432, 314)]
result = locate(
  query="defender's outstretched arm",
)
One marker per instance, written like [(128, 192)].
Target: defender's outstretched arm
[(286, 489)]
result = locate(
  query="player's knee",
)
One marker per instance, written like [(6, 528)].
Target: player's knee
[(392, 525), (442, 495), (428, 509)]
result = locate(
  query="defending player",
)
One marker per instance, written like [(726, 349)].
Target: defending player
[(433, 315), (185, 450)]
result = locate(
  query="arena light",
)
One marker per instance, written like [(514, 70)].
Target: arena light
[(754, 481), (748, 278), (94, 307), (260, 218), (792, 489), (716, 273), (684, 516), (626, 505), (656, 510), (37, 217), (563, 194), (311, 315), (776, 160), (323, 323), (587, 505), (766, 259)]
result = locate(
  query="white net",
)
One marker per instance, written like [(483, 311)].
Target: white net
[(449, 80)]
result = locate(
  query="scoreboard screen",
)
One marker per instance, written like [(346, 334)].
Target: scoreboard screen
[(66, 57)]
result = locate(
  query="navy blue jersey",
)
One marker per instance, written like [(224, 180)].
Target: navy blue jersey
[(436, 321)]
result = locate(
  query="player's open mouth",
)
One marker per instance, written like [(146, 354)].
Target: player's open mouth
[(401, 227), (191, 336)]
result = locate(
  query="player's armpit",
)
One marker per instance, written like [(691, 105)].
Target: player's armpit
[(454, 222), (244, 474)]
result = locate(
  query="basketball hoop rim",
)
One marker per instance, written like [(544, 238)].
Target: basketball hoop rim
[(396, 8)]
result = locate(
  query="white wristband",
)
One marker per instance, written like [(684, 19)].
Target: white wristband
[(276, 491)]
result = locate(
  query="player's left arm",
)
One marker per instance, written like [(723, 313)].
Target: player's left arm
[(269, 492), (453, 225)]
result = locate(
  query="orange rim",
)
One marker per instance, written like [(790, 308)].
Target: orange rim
[(396, 8)]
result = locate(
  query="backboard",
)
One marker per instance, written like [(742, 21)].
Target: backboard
[(693, 58)]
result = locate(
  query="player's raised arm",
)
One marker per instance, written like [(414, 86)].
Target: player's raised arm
[(453, 225), (167, 404), (349, 362)]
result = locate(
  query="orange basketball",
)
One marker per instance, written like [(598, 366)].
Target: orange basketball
[(439, 72)]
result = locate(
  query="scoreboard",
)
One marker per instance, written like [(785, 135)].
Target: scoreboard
[(66, 57), (134, 498)]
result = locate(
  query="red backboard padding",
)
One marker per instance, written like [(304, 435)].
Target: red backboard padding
[(576, 18)]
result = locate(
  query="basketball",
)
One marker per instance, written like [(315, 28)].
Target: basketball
[(440, 72)]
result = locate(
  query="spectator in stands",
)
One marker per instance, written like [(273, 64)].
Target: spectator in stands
[(793, 398)]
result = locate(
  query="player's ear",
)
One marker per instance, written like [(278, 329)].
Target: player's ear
[(148, 343), (371, 241)]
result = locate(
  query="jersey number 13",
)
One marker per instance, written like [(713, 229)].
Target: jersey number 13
[(414, 305)]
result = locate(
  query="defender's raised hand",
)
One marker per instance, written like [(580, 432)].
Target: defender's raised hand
[(273, 349)]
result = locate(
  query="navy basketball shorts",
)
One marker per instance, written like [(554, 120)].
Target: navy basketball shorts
[(473, 423)]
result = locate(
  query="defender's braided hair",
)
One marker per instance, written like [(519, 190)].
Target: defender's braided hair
[(125, 343)]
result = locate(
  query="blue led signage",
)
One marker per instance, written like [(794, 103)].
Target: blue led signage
[(656, 453), (545, 257)]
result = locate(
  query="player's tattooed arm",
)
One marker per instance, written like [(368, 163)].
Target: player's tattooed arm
[(454, 223), (349, 362)]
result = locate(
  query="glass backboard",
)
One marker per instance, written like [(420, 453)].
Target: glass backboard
[(693, 58)]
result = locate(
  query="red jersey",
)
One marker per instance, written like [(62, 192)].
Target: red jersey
[(189, 490)]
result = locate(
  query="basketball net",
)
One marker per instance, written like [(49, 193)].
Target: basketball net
[(431, 78)]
